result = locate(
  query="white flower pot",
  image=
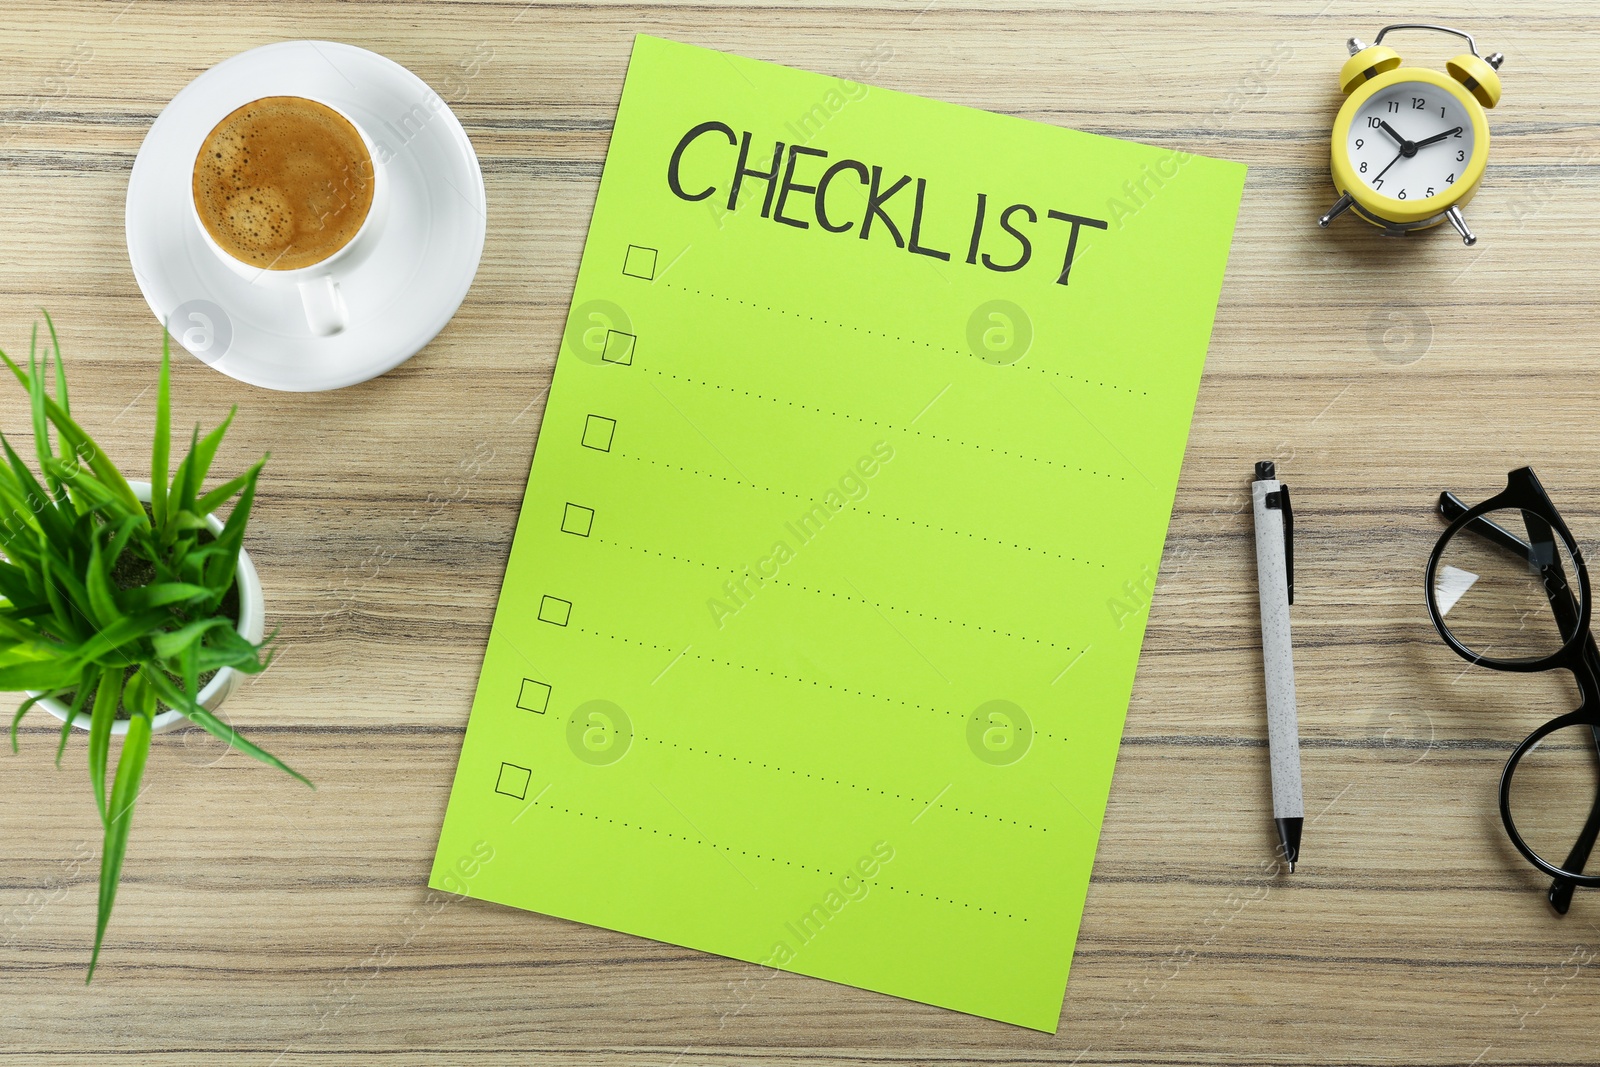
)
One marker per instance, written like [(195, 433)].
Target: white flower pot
[(252, 624)]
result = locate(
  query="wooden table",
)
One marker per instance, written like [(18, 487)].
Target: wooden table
[(273, 925)]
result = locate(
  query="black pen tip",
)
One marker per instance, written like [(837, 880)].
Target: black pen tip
[(1289, 835), (1265, 470)]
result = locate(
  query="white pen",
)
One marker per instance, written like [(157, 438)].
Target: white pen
[(1275, 578)]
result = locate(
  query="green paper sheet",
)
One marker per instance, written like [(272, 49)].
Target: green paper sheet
[(823, 609)]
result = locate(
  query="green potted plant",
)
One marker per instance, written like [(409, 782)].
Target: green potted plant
[(125, 607)]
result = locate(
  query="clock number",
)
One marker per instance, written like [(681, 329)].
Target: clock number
[(1450, 180), (1359, 142), (1402, 194), (1441, 112), (1394, 107), (1458, 133), (1417, 103), (1373, 122), (1363, 168), (1430, 190), (1460, 156), (1377, 183)]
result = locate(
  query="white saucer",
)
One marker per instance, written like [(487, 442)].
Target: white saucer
[(399, 297)]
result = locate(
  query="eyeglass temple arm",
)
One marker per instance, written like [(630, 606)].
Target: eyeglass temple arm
[(1452, 508), (1560, 895), (1540, 534), (1565, 608)]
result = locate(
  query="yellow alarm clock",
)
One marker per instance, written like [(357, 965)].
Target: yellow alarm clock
[(1410, 144)]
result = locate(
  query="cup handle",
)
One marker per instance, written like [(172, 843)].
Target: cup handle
[(324, 304)]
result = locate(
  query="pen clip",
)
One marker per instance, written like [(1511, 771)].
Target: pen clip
[(1280, 501)]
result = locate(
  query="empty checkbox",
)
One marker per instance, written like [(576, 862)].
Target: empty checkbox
[(640, 262), (598, 432), (577, 519), (513, 781), (618, 347), (534, 697), (554, 610)]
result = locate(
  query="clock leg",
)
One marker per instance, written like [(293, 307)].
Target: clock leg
[(1467, 236), (1340, 206)]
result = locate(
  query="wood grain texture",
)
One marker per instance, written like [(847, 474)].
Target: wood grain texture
[(262, 923)]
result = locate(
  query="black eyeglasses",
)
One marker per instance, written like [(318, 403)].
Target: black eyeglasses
[(1508, 589)]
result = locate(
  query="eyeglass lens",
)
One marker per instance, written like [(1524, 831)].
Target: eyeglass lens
[(1508, 595)]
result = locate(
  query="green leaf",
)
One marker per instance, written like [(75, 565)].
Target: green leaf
[(160, 594), (125, 529), (62, 618), (73, 594), (45, 515), (127, 630), (206, 450), (78, 700), (191, 670), (61, 367), (216, 728), (13, 624), (160, 448), (41, 419), (242, 656), (171, 643), (124, 793), (221, 494), (184, 519), (184, 487), (14, 583), (18, 518), (84, 481), (108, 694), (22, 709), (220, 571), (102, 596), (46, 674), (83, 445)]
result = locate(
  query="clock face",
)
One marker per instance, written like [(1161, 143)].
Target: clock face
[(1411, 141)]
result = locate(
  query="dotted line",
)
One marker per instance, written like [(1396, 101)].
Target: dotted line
[(1074, 378), (946, 900), (896, 337), (841, 783), (771, 859), (689, 840), (864, 511), (830, 592), (882, 425), (779, 674), (766, 670)]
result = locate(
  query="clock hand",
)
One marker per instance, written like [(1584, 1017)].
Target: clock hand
[(1391, 132), (1438, 137), (1409, 148)]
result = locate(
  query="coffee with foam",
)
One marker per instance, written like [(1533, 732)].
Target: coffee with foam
[(283, 182)]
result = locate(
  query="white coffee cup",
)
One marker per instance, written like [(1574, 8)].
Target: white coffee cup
[(317, 284)]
